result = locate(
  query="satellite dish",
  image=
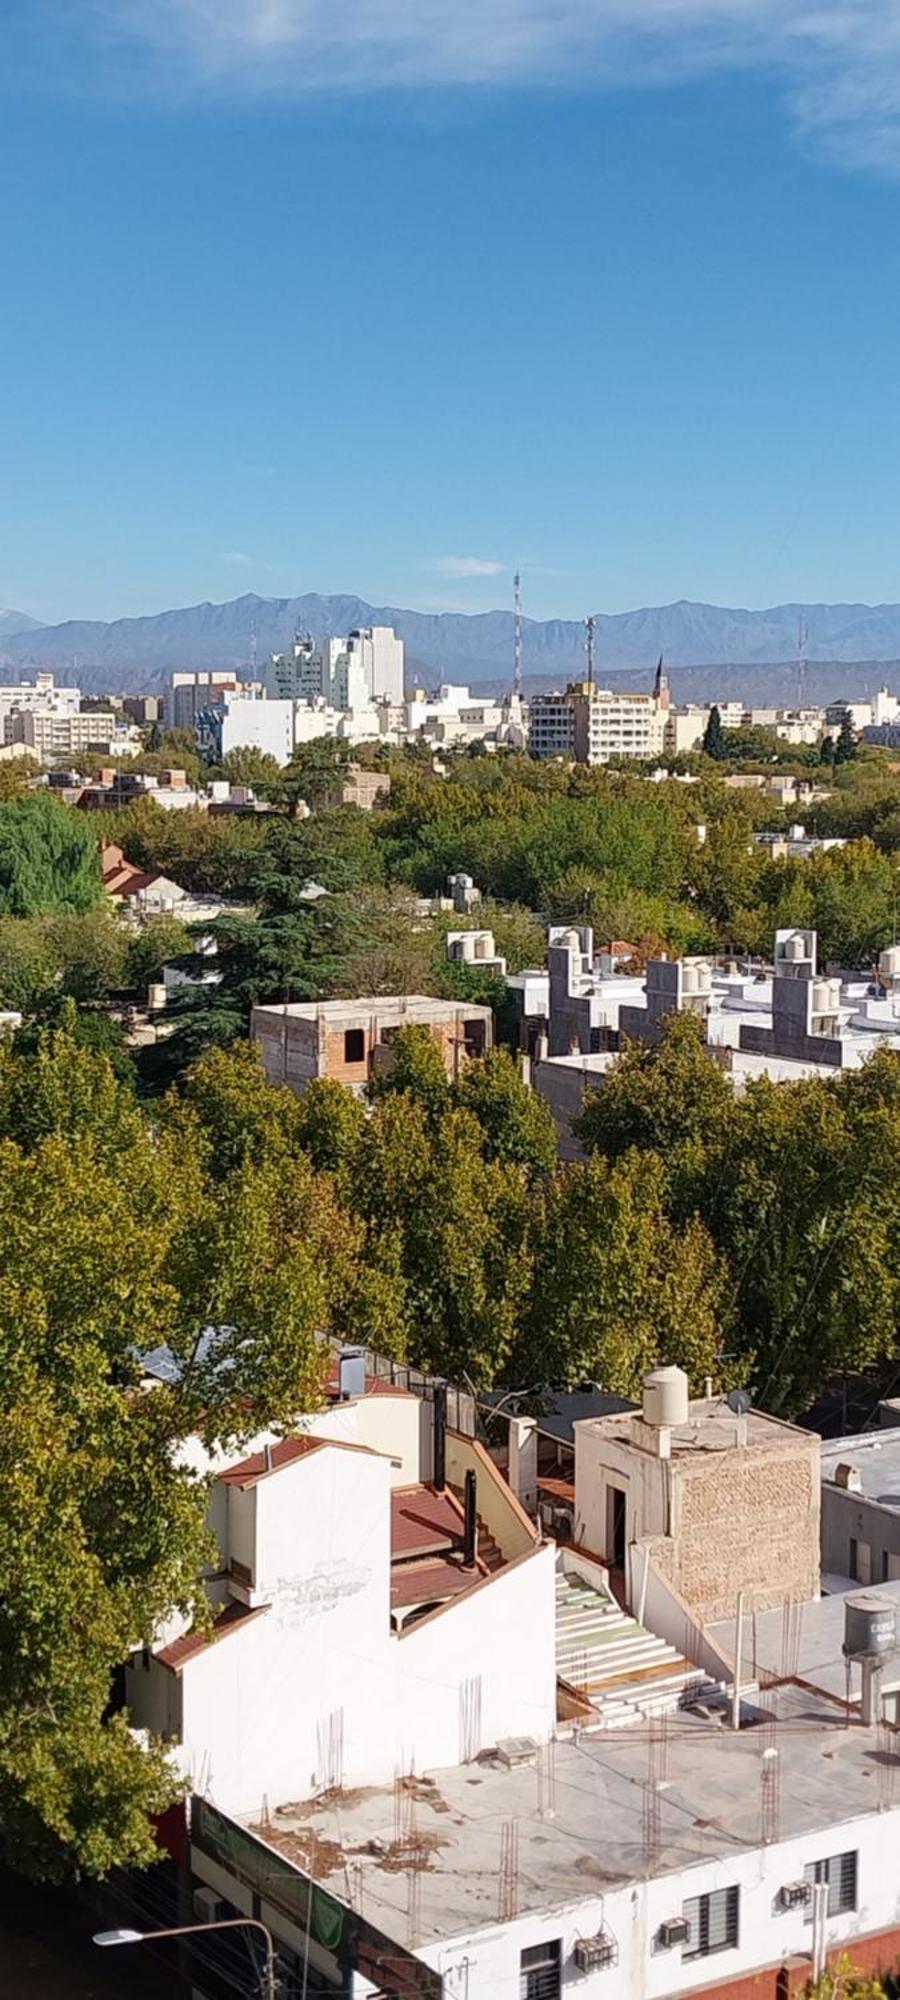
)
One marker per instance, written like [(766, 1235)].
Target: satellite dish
[(739, 1401)]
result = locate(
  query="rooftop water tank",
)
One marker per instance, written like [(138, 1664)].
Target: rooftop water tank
[(821, 996), (794, 947), (665, 1397), (870, 1625), (689, 981), (889, 962)]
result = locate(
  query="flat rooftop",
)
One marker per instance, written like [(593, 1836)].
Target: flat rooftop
[(453, 1820), (804, 1640), (875, 1455), (392, 1006), (711, 1427)]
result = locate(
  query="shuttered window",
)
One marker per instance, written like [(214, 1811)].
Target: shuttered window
[(839, 1871), (539, 1972), (713, 1921)]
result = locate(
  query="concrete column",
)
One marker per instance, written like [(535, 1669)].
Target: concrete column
[(523, 1461)]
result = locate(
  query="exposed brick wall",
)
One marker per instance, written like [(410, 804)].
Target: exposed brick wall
[(746, 1521)]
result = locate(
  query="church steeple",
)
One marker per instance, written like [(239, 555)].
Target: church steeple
[(661, 688)]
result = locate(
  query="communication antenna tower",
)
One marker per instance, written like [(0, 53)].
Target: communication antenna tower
[(253, 650), (590, 626), (802, 665), (517, 674)]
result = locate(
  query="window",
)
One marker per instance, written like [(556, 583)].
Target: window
[(354, 1045), (839, 1871), (713, 1921), (539, 1972)]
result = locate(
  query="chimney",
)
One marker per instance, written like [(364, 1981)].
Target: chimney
[(439, 1436), (470, 1531)]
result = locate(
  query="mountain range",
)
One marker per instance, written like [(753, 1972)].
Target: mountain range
[(710, 650), (12, 622)]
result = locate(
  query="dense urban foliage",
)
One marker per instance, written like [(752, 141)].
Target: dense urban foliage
[(146, 1195)]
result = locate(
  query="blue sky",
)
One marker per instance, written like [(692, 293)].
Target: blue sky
[(392, 296)]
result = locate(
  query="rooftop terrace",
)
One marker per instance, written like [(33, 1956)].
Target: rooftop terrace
[(594, 1840)]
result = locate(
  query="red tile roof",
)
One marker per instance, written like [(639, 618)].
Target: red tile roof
[(258, 1465), (423, 1521), (435, 1577), (231, 1619)]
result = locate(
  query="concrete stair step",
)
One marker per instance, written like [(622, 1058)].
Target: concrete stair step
[(627, 1652)]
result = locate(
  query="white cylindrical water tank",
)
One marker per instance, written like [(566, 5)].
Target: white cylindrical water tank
[(794, 948), (689, 978), (704, 978), (821, 996), (665, 1397), (870, 1625), (889, 962), (834, 986)]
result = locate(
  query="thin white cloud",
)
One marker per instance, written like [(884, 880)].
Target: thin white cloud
[(238, 558), (836, 63), (464, 566)]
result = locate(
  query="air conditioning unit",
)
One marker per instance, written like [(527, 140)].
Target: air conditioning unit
[(676, 1931), (594, 1954), (208, 1907), (795, 1895)]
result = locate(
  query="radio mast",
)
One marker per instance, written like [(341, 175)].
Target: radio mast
[(590, 626), (517, 650)]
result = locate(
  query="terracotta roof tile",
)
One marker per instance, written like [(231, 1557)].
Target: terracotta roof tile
[(231, 1619), (258, 1466)]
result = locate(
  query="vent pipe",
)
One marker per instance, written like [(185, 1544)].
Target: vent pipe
[(440, 1436), (470, 1531)]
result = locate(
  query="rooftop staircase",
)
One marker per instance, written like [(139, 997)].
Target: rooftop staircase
[(624, 1671)]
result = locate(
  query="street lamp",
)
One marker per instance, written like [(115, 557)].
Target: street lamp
[(191, 1930)]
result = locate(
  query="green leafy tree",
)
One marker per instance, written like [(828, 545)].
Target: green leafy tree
[(248, 765), (104, 1523), (713, 735), (160, 940), (617, 1288), (29, 964), (845, 747), (415, 1064), (453, 1224), (330, 1123), (517, 1126), (313, 777), (670, 1098), (49, 859), (92, 949), (241, 1116), (806, 1214), (57, 1085), (827, 750)]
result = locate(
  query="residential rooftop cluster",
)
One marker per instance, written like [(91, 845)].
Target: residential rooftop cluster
[(440, 1748)]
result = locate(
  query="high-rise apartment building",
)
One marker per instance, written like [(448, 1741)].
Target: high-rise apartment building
[(593, 724)]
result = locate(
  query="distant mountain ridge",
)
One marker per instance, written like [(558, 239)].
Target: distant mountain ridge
[(710, 649), (13, 622)]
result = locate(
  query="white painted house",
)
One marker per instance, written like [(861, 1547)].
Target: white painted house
[(370, 1613)]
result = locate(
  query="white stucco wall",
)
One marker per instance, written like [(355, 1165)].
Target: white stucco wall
[(267, 1705), (391, 1424), (601, 1462), (485, 1964)]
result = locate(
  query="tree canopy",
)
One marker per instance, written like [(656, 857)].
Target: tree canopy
[(49, 859)]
